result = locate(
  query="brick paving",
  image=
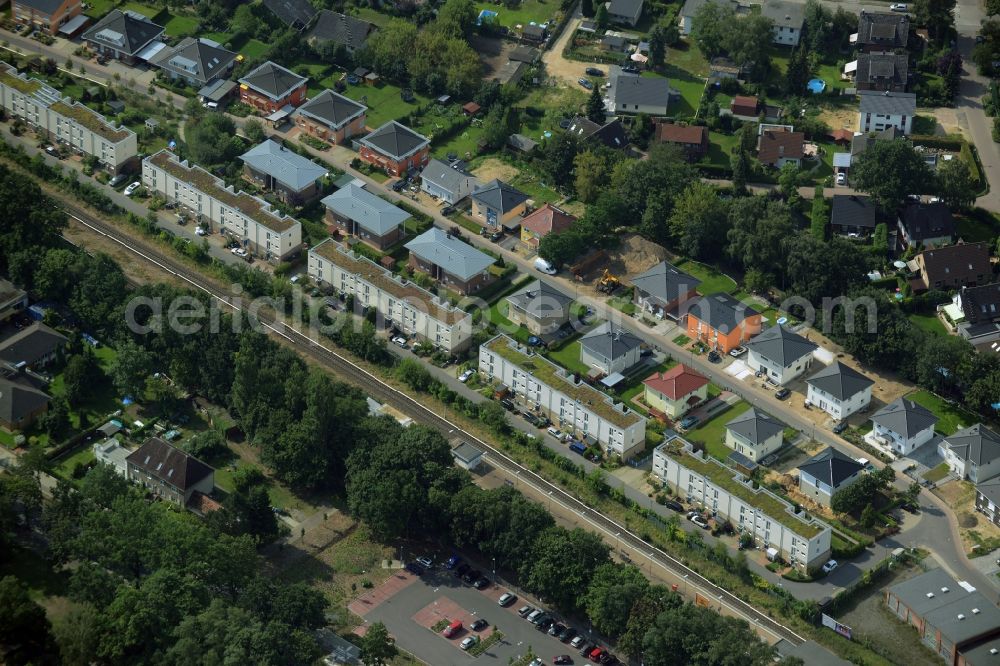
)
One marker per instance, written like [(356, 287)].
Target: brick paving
[(374, 598), (444, 608)]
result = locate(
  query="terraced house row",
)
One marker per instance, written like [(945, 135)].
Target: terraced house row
[(258, 227), (67, 122)]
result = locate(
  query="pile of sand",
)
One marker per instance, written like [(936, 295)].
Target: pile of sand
[(635, 255)]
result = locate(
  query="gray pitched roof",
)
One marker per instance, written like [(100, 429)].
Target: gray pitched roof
[(840, 381), (721, 311), (885, 29), (500, 196), (831, 467), (199, 59), (852, 210), (285, 166), (641, 90), (939, 600), (990, 489), (18, 400), (665, 282), (625, 7), (395, 140), (296, 13), (169, 464), (371, 212), (609, 341), (981, 304), (42, 6), (977, 443), (755, 426), (445, 176), (449, 253), (883, 68), (332, 109), (784, 13), (30, 344), (927, 220), (780, 345), (888, 103), (273, 80), (905, 417), (126, 31), (691, 7), (540, 300), (339, 28)]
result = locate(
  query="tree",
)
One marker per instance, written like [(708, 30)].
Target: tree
[(613, 591), (76, 633), (709, 27), (556, 159), (253, 129), (562, 248), (890, 170), (698, 224), (992, 7), (697, 636), (212, 140), (131, 367), (377, 647), (562, 563), (938, 16), (495, 128), (820, 216), (25, 632), (799, 71), (82, 372), (494, 416), (788, 180), (748, 43), (587, 8), (30, 220), (868, 516), (942, 363), (601, 18), (595, 106), (55, 420), (816, 269), (955, 185), (657, 46), (880, 241), (817, 26), (591, 175), (458, 17), (740, 163), (244, 22)]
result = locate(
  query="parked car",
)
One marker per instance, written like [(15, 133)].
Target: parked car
[(577, 641), (544, 624), (688, 422), (461, 570), (496, 236), (480, 624), (452, 629), (781, 394), (452, 562), (541, 617), (415, 568), (425, 561), (481, 583), (586, 83), (676, 506), (534, 615), (737, 352), (567, 634), (700, 522), (593, 71), (447, 210), (465, 376), (562, 659), (117, 180), (471, 576), (595, 654), (525, 611), (586, 648), (200, 231), (506, 599), (898, 7), (841, 178), (840, 427), (468, 642), (399, 340), (554, 432), (557, 629), (130, 190), (714, 357), (399, 186), (830, 566)]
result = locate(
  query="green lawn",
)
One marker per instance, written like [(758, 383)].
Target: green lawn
[(99, 8), (980, 225), (929, 323), (84, 454), (712, 281), (383, 101), (686, 56), (220, 37), (535, 188), (100, 401), (569, 358), (936, 474), (253, 49), (712, 433), (370, 15), (138, 7), (526, 12), (463, 144), (952, 417), (691, 88), (181, 26), (720, 147)]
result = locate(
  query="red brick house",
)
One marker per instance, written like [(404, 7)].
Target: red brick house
[(395, 148), (46, 15), (271, 88), (744, 106), (331, 117), (691, 139)]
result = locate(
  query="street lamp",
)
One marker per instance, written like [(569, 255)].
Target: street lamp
[(494, 570)]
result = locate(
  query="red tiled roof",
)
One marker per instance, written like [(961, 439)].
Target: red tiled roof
[(692, 134), (842, 135), (546, 220), (776, 144), (743, 105), (676, 382), (471, 108)]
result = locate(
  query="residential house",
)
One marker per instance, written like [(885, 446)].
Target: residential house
[(972, 453), (47, 16), (448, 182), (981, 305), (772, 521), (610, 349), (625, 12), (686, 16), (249, 220), (395, 148), (111, 452), (67, 122), (788, 17), (357, 212), (576, 407), (452, 262), (533, 32), (293, 13), (839, 390), (34, 346), (20, 404), (639, 94), (293, 179), (663, 290), (854, 215), (400, 303), (195, 61), (754, 434), (509, 72), (691, 139), (674, 392), (610, 134), (122, 35), (827, 473), (882, 32), (331, 117), (497, 204), (988, 499), (614, 41), (951, 618), (778, 146), (780, 354), (954, 266), (543, 221), (168, 472), (745, 107), (879, 110), (13, 300), (350, 32), (526, 54), (273, 90), (882, 71), (861, 141), (925, 225), (721, 321), (902, 426), (539, 307)]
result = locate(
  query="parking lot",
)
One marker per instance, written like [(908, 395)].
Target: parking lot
[(409, 609)]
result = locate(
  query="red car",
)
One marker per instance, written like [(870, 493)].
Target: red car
[(452, 629), (595, 654)]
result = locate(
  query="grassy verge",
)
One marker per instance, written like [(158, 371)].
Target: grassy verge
[(936, 474), (485, 644), (952, 417)]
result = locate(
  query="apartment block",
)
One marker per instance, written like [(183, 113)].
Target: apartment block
[(251, 220), (800, 539), (577, 407), (411, 309), (67, 122)]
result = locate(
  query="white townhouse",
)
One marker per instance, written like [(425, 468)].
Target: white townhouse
[(839, 390), (972, 453), (902, 426), (754, 434), (773, 522), (827, 473), (610, 349), (67, 122), (788, 18), (261, 230), (576, 407), (780, 354), (411, 309), (882, 110)]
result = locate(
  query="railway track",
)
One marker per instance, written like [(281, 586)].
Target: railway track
[(413, 408)]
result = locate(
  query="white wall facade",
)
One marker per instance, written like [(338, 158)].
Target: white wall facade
[(755, 452), (876, 122), (775, 371), (900, 444), (786, 35), (610, 366), (838, 409)]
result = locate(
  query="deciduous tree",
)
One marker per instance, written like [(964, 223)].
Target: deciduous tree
[(889, 170)]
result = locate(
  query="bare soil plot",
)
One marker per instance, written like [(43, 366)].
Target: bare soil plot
[(492, 51), (978, 533), (492, 168)]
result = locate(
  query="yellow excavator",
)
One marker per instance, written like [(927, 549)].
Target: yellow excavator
[(608, 283)]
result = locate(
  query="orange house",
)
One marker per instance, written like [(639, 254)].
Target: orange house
[(271, 88), (722, 322)]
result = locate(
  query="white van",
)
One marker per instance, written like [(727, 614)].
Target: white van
[(545, 267)]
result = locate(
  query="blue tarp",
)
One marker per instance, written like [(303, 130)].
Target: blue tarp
[(487, 14), (127, 401)]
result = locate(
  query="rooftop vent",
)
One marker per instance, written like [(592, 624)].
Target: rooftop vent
[(961, 617), (994, 651), (944, 589), (930, 595), (975, 611)]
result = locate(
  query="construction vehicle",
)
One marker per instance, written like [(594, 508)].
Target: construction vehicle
[(608, 283)]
